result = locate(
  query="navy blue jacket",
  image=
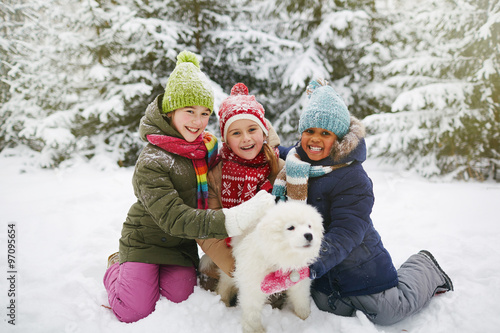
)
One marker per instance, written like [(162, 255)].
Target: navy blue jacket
[(353, 260)]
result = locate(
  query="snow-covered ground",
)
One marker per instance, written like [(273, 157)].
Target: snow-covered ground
[(68, 221)]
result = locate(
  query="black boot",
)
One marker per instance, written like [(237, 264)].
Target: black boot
[(448, 285)]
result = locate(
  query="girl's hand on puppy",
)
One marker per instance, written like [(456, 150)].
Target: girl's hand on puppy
[(248, 213), (278, 281)]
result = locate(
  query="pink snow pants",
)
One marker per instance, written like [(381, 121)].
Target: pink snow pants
[(134, 288)]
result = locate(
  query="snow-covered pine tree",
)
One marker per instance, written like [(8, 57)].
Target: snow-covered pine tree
[(248, 49), (478, 136), (65, 69), (13, 25), (334, 35), (133, 49), (84, 82), (367, 93), (17, 26), (150, 40), (38, 84), (443, 86)]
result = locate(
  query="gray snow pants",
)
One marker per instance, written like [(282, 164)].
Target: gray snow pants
[(418, 281)]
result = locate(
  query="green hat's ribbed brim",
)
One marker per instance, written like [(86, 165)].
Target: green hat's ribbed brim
[(187, 86), (170, 105)]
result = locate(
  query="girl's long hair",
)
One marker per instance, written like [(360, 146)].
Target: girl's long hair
[(271, 158)]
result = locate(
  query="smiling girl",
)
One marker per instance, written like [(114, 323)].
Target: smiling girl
[(158, 252), (248, 163), (354, 271)]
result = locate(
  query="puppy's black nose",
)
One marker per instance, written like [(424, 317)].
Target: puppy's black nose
[(308, 236)]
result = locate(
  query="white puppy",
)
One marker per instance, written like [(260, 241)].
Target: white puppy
[(287, 238)]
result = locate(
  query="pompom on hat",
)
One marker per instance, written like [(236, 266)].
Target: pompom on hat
[(325, 109), (240, 105), (187, 85)]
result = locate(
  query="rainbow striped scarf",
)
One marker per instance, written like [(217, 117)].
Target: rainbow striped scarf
[(203, 153)]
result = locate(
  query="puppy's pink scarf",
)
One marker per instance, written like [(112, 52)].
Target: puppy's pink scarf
[(278, 281)]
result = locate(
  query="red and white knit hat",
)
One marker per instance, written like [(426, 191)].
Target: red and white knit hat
[(238, 106)]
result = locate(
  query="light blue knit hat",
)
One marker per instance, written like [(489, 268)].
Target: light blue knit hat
[(325, 109)]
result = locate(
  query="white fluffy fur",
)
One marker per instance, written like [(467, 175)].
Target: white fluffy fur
[(277, 242)]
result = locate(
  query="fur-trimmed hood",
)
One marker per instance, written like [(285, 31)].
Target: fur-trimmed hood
[(351, 148), (154, 121), (349, 144)]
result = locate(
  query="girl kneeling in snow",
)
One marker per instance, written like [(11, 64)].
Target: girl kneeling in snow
[(158, 252), (354, 270), (248, 163)]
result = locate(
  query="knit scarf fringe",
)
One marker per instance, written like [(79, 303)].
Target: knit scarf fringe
[(202, 152)]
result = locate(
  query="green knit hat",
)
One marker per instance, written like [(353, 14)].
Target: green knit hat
[(187, 85)]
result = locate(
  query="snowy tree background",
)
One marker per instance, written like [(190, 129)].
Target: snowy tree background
[(424, 76), (441, 83)]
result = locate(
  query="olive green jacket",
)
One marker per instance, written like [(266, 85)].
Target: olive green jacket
[(161, 226)]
